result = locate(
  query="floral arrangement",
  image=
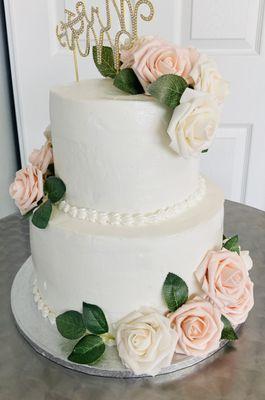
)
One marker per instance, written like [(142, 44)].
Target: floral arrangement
[(35, 188), (182, 79), (147, 340)]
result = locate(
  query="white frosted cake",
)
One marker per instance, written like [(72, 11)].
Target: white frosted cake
[(126, 235), (112, 152)]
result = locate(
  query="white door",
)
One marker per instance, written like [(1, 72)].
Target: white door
[(230, 30)]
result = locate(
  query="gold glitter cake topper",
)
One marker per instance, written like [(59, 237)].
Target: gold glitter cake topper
[(79, 26)]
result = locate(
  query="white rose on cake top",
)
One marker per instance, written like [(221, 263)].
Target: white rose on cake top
[(194, 123), (145, 341), (244, 254), (208, 79)]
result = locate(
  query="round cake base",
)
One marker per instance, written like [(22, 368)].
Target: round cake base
[(46, 340)]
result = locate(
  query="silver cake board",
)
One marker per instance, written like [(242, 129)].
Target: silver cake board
[(46, 340)]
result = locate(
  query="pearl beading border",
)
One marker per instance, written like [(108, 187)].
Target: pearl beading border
[(46, 312), (109, 218)]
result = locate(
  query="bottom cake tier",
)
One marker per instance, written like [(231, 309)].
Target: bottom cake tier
[(122, 269)]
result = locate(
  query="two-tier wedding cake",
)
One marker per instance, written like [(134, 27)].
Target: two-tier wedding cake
[(133, 210), (126, 235)]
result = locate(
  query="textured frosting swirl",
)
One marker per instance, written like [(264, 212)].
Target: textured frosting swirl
[(115, 218)]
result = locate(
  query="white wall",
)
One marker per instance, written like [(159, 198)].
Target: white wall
[(8, 162)]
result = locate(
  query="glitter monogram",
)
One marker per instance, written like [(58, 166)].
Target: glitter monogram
[(79, 26)]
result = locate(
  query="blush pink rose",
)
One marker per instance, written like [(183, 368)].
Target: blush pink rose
[(27, 189), (43, 157), (151, 58), (223, 276), (127, 54), (199, 327), (48, 134)]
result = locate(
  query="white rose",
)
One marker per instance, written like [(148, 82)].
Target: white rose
[(244, 254), (145, 341), (247, 259), (193, 124), (207, 78)]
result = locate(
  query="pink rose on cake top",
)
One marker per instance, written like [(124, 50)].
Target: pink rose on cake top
[(199, 327), (27, 189), (35, 188), (150, 58), (224, 278), (43, 157)]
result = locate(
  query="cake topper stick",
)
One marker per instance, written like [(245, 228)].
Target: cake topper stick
[(81, 26), (76, 65)]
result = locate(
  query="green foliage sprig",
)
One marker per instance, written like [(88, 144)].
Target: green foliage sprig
[(175, 292), (54, 190), (168, 89), (94, 319), (228, 332), (42, 214), (232, 244), (88, 350), (87, 327), (106, 67), (127, 81)]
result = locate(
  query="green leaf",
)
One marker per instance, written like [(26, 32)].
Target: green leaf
[(70, 325), (127, 81), (232, 244), (107, 67), (42, 215), (205, 151), (88, 350), (29, 213), (94, 319), (51, 169), (168, 89), (55, 188), (175, 292), (228, 332)]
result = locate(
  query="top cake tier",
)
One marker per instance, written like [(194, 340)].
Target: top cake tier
[(112, 150)]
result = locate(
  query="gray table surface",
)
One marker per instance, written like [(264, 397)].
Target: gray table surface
[(235, 373)]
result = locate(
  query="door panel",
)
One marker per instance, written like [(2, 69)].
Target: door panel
[(230, 169)]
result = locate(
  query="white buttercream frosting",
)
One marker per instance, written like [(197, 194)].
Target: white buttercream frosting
[(116, 218), (113, 152), (120, 268)]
